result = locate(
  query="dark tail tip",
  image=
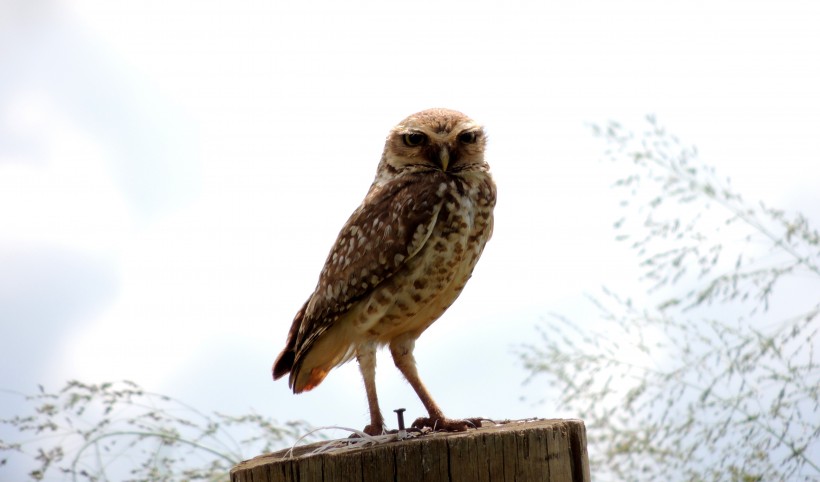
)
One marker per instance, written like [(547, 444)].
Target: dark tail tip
[(283, 364)]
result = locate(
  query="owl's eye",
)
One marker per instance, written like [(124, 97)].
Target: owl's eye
[(414, 139), (467, 137)]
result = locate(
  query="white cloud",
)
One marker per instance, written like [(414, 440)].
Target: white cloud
[(57, 187)]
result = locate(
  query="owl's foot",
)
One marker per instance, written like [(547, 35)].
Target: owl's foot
[(447, 424), (374, 429)]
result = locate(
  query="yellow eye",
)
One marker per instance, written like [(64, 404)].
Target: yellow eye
[(414, 139), (467, 137)]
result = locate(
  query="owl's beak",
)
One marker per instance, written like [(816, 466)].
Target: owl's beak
[(444, 157)]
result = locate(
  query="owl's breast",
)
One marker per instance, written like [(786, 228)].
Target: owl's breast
[(417, 295)]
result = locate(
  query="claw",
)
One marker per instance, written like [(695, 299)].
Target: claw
[(374, 430)]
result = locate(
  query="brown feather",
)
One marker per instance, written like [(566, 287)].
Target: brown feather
[(389, 227), (284, 362)]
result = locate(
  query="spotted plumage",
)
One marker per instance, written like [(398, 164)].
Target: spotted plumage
[(401, 259)]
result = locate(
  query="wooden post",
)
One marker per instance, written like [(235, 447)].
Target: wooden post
[(520, 451)]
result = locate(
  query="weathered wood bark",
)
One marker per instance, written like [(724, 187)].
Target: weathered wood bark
[(535, 450)]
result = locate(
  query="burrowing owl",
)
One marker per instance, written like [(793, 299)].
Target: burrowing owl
[(400, 261)]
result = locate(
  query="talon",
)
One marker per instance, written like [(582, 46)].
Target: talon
[(373, 430)]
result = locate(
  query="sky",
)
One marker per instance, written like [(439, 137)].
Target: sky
[(173, 174)]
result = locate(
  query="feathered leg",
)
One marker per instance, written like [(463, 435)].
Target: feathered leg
[(366, 356), (402, 351)]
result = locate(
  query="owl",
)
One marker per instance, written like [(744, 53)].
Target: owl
[(400, 261)]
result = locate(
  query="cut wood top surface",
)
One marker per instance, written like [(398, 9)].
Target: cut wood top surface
[(522, 450)]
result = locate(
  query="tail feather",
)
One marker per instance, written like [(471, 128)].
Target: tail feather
[(309, 359), (284, 363)]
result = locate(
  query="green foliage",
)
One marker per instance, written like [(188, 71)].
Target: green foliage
[(719, 380), (117, 431)]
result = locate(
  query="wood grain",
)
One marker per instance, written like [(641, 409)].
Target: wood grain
[(513, 451)]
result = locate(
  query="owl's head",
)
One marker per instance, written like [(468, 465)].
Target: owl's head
[(434, 139)]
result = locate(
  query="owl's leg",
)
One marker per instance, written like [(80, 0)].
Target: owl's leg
[(366, 356), (402, 351)]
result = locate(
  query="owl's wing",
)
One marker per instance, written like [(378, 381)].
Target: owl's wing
[(389, 228)]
